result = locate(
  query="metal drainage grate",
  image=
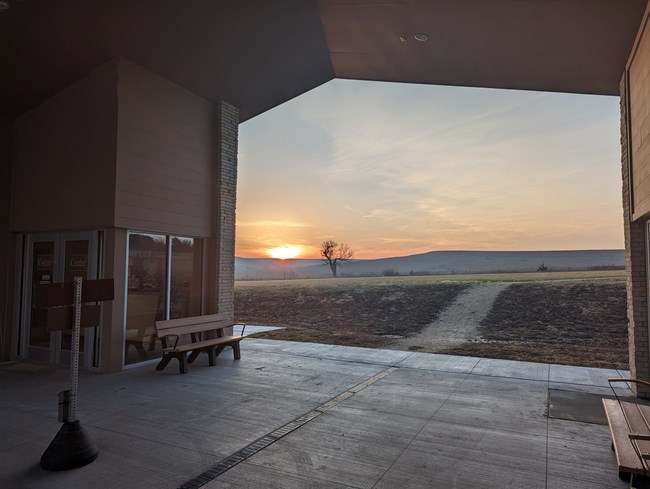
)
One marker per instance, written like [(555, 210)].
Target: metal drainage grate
[(249, 450)]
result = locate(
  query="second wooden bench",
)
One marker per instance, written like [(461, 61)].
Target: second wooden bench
[(197, 328), (629, 425)]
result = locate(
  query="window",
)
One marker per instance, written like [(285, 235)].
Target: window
[(185, 281), (164, 282)]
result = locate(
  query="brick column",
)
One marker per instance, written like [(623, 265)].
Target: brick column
[(223, 242), (635, 264)]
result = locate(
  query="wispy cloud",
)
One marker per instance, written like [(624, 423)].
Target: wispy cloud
[(375, 164), (281, 224)]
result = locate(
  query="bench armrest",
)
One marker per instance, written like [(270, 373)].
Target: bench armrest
[(636, 381), (639, 436), (164, 337)]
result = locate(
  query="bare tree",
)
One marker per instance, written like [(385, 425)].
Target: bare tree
[(334, 254)]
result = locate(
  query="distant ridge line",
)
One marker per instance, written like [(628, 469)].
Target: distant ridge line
[(436, 263)]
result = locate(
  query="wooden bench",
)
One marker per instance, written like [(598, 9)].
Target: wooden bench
[(196, 327), (629, 425)]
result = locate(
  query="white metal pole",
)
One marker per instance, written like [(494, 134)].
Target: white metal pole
[(74, 350)]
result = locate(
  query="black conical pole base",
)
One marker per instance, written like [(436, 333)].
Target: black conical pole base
[(72, 447)]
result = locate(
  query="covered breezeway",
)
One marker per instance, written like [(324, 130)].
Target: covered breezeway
[(107, 94), (95, 99), (308, 415)]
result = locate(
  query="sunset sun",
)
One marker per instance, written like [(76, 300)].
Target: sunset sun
[(284, 252)]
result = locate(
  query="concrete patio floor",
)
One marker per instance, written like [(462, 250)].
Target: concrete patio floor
[(326, 416)]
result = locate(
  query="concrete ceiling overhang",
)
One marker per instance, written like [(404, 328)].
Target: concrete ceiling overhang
[(578, 46), (257, 54)]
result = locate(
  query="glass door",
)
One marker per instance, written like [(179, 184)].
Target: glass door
[(53, 258), (78, 251), (43, 251)]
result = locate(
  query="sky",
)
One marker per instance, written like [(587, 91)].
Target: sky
[(395, 169)]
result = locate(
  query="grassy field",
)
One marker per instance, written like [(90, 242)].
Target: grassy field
[(574, 322), (576, 318), (344, 312), (614, 275)]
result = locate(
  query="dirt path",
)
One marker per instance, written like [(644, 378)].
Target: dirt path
[(459, 322)]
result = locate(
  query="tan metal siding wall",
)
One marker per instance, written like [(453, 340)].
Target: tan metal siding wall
[(164, 155), (65, 158), (639, 86)]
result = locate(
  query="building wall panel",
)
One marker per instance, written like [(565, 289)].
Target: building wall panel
[(164, 156), (639, 100), (65, 158)]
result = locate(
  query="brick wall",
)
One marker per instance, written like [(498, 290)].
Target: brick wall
[(227, 129), (635, 263)]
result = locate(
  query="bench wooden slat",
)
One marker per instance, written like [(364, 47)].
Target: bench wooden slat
[(190, 325), (626, 457), (197, 328), (637, 415), (644, 413), (202, 344), (173, 323)]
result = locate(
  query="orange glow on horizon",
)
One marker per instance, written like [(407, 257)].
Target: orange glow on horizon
[(284, 252)]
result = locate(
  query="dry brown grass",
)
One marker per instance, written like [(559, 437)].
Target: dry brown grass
[(576, 318), (344, 313), (574, 323)]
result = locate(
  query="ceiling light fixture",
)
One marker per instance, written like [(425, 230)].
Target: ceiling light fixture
[(420, 36)]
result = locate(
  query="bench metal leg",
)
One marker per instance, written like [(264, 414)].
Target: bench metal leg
[(182, 362), (218, 350), (638, 481), (193, 356), (211, 355), (164, 362), (235, 350), (167, 357)]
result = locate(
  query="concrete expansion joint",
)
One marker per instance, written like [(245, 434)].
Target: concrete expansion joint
[(423, 426), (261, 443)]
